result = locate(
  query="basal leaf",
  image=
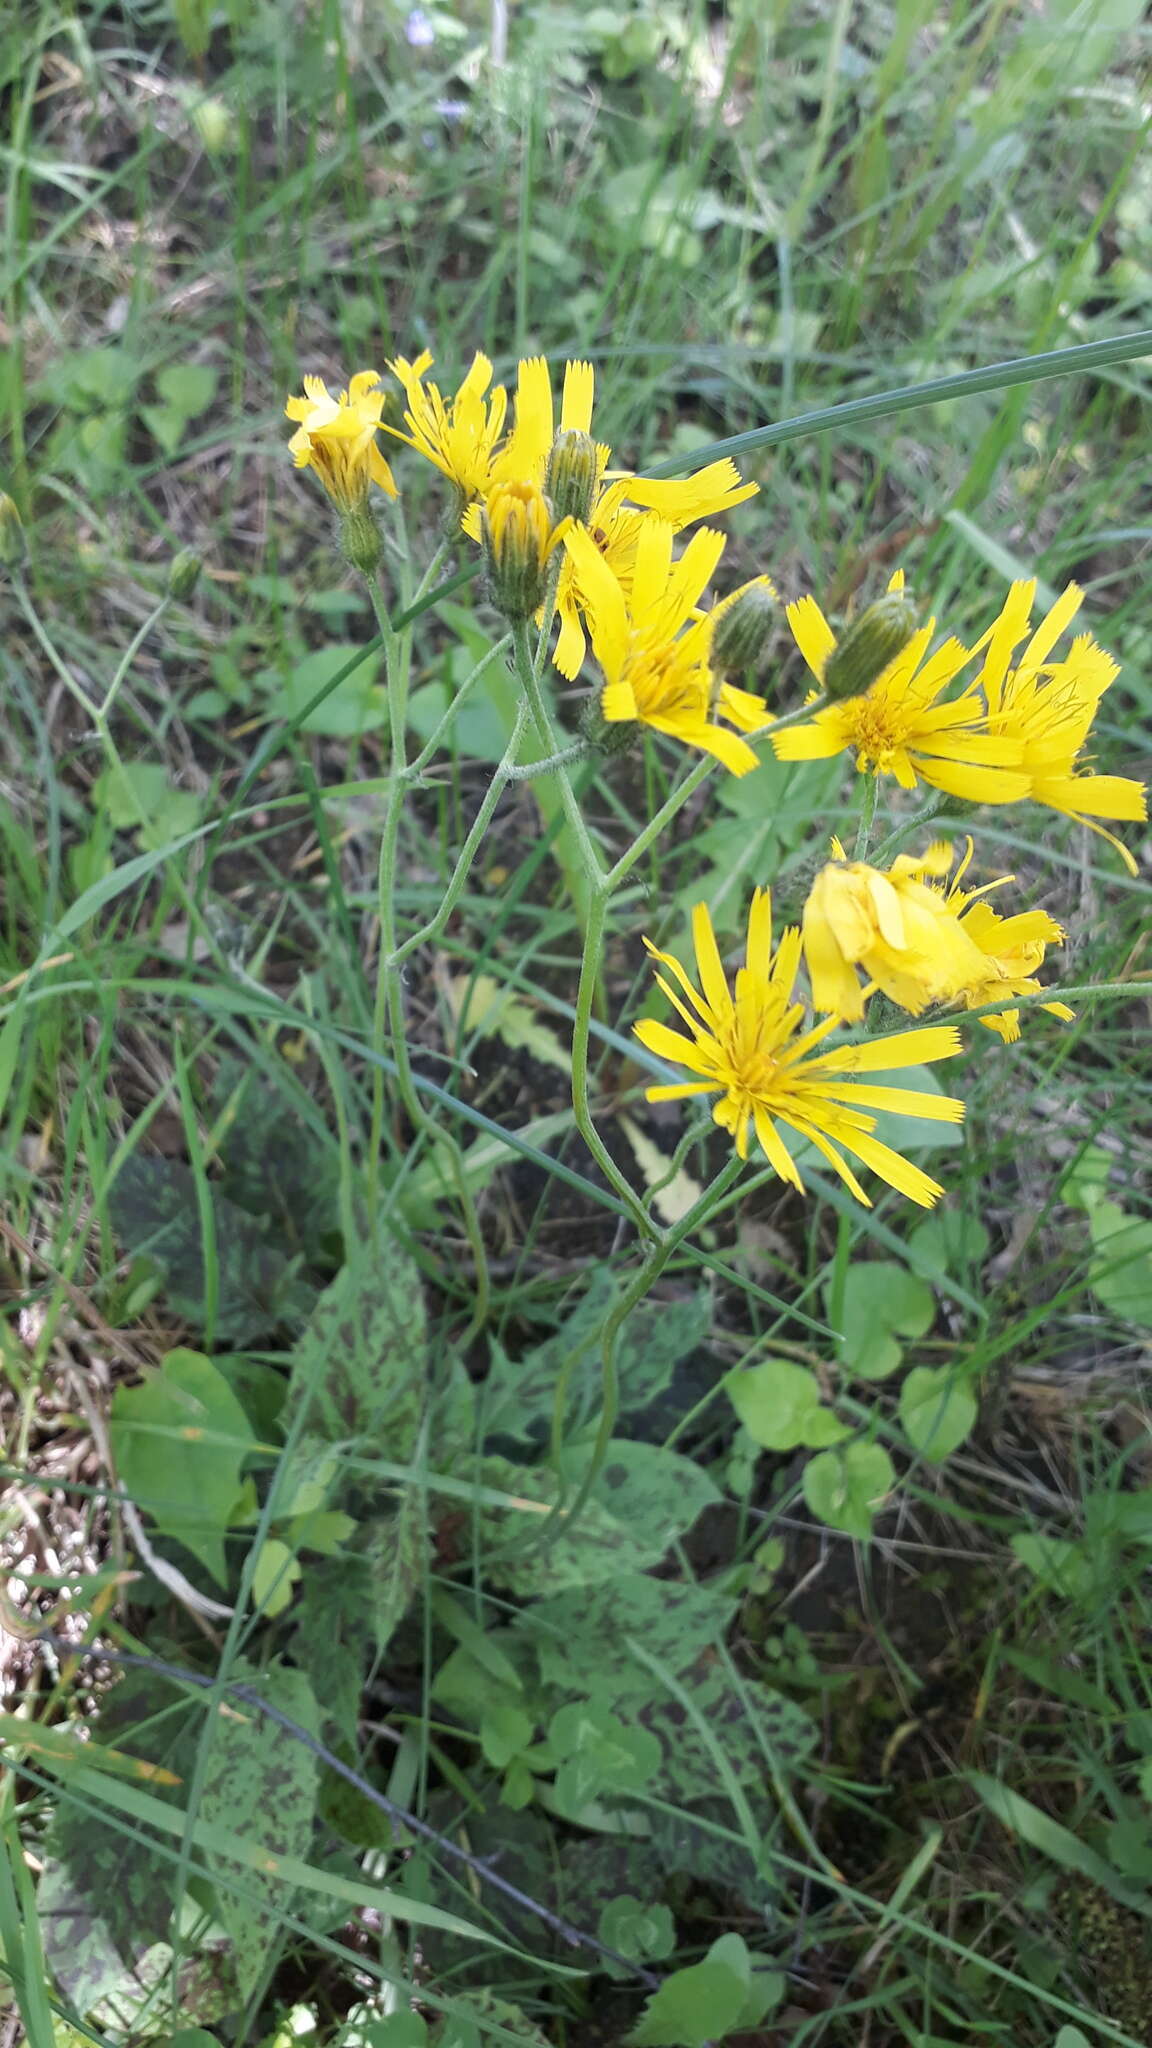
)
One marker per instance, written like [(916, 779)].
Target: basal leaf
[(261, 1785), (847, 1487), (938, 1412), (179, 1441), (155, 1212), (360, 1364)]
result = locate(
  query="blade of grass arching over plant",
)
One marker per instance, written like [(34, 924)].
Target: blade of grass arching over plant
[(1057, 362)]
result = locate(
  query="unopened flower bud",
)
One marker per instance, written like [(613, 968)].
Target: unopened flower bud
[(183, 573), (869, 645), (743, 624), (13, 546), (608, 736), (570, 480), (360, 540), (516, 524)]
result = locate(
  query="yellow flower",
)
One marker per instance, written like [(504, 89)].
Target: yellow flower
[(459, 437), (337, 438), (894, 927), (1012, 948), (899, 726), (751, 1050), (655, 673), (1046, 709), (518, 535), (919, 942), (618, 504)]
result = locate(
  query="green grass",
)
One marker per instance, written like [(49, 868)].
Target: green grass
[(815, 229)]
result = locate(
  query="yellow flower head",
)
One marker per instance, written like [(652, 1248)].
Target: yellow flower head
[(1011, 950), (892, 926), (654, 672), (1046, 708), (518, 536), (337, 438), (459, 435), (899, 726), (751, 1050)]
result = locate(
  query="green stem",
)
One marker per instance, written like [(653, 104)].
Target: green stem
[(590, 963), (551, 762), (867, 816), (529, 675), (895, 839)]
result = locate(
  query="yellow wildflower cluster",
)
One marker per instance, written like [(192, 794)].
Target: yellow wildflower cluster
[(1001, 720)]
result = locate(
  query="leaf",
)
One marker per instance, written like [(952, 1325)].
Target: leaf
[(397, 1553), (678, 1193), (60, 1749), (647, 1933), (354, 705), (847, 1488), (948, 1242), (477, 731), (574, 1633), (781, 1406), (260, 1783), (179, 1442), (275, 1573), (519, 1394), (479, 1004), (154, 1211), (274, 1165), (360, 1364), (1058, 1563), (521, 1557), (602, 1756), (657, 1493), (881, 1300), (699, 2004), (1121, 1270), (188, 388), (1032, 1825), (166, 426), (938, 1414)]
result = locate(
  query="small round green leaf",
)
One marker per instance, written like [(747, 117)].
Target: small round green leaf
[(779, 1404), (845, 1488), (938, 1414)]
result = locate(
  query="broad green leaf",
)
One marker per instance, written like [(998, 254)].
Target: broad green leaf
[(188, 388), (1086, 1181), (1058, 1563), (477, 731), (505, 1731), (948, 1242), (938, 1414), (526, 1558), (601, 1754), (359, 1367), (577, 1632), (846, 1488), (274, 1574), (354, 706), (657, 1493), (260, 1784), (155, 1211), (881, 1300), (647, 1933), (1121, 1271), (179, 1442), (166, 424), (699, 2004), (781, 1406), (398, 1561)]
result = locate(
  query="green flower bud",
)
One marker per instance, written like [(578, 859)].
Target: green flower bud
[(611, 737), (516, 525), (13, 545), (870, 643), (570, 481), (360, 540), (742, 628), (183, 573)]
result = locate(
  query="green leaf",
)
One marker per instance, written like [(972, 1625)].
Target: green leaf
[(601, 1754), (521, 1557), (260, 1784), (166, 426), (1032, 1825), (477, 731), (1056, 1562), (781, 1406), (505, 1731), (354, 706), (577, 1632), (881, 1301), (938, 1414), (179, 1442), (155, 1211), (360, 1364), (519, 1394), (647, 1933), (699, 2004), (948, 1242), (275, 1573), (188, 388), (847, 1488), (655, 1492), (1121, 1270), (131, 794)]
